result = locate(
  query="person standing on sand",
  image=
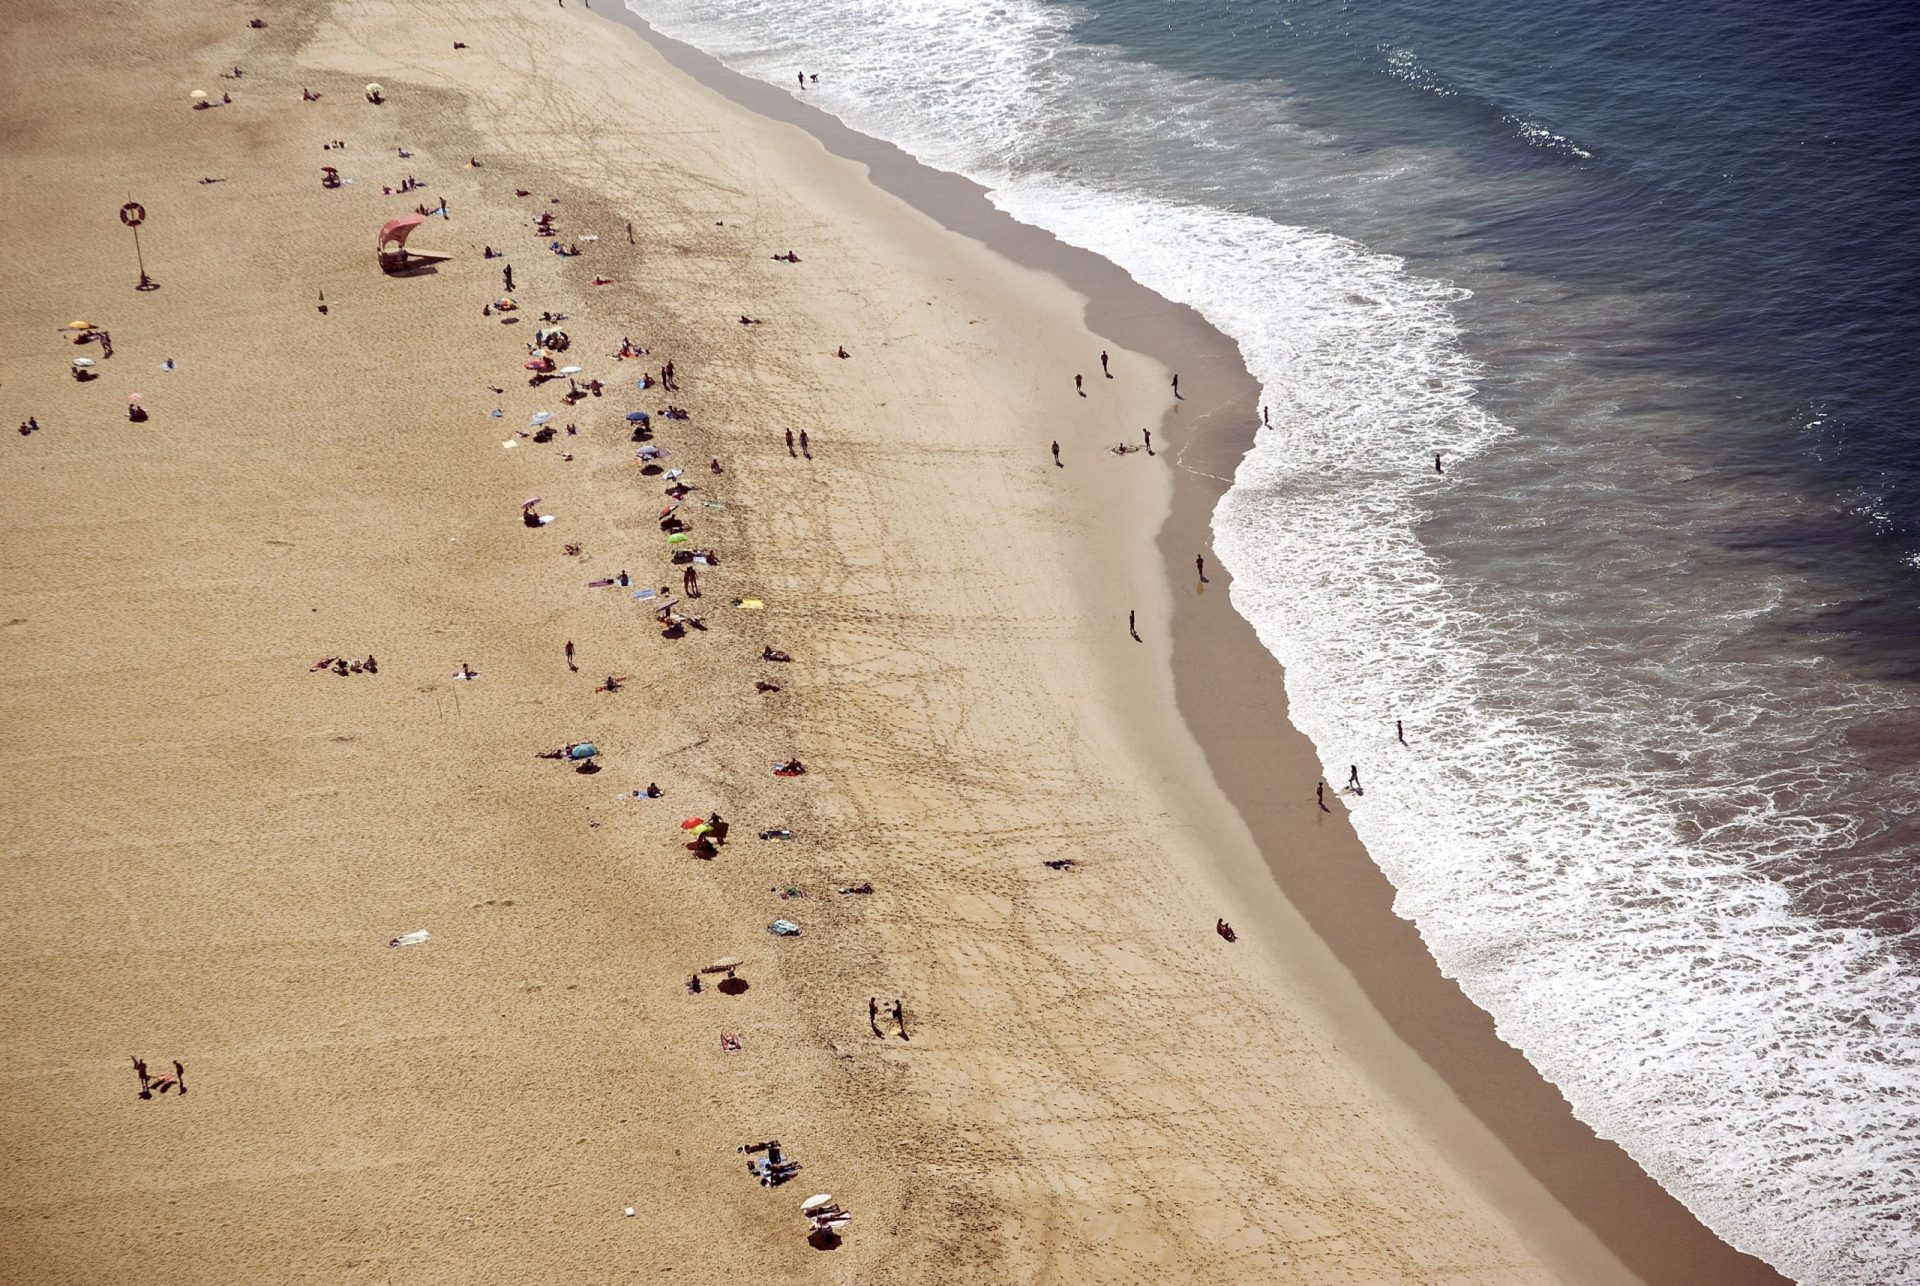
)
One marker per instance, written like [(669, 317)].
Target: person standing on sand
[(790, 452), (806, 449), (1056, 457), (180, 1077), (1130, 630), (873, 1014), (570, 664), (900, 1019), (629, 231), (140, 1070), (1320, 797), (1200, 566), (506, 275), (1176, 384), (1103, 364), (1148, 435), (1076, 385)]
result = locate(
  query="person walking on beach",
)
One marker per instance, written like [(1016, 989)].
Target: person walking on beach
[(1176, 384), (1200, 566), (666, 378), (570, 664), (1056, 457), (1353, 779), (802, 76), (443, 208), (180, 1077), (140, 1070), (873, 1014), (1436, 463), (1400, 731), (900, 1019), (506, 275), (1076, 385), (1135, 633), (1103, 364), (806, 448), (690, 583), (790, 452), (1148, 435), (1320, 796)]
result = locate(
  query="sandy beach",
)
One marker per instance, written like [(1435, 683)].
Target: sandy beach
[(212, 843)]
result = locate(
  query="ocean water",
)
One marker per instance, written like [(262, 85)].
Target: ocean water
[(1640, 272)]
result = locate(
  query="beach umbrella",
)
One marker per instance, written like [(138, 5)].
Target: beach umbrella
[(532, 366), (83, 363), (198, 93), (79, 325), (569, 370), (328, 169), (376, 89), (818, 1201), (678, 538), (639, 417), (541, 417), (725, 964), (692, 822), (585, 750), (135, 397)]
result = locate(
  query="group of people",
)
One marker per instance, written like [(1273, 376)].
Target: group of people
[(151, 1085), (341, 665)]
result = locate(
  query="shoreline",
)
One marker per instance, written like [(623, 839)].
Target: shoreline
[(1249, 743)]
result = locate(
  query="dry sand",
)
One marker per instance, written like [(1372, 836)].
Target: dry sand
[(208, 845)]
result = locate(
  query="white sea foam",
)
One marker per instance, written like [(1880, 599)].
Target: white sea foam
[(1617, 918)]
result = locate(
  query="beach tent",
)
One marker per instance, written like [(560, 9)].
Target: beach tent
[(398, 230), (395, 234)]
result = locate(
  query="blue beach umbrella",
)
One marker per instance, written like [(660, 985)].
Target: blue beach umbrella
[(639, 417)]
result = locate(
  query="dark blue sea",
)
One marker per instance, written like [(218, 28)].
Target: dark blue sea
[(1643, 273)]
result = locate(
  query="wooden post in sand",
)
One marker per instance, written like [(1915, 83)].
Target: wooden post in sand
[(133, 214)]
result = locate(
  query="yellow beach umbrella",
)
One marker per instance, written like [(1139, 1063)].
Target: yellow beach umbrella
[(198, 93), (79, 325)]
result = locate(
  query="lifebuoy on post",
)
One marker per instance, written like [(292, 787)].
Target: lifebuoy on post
[(133, 214)]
